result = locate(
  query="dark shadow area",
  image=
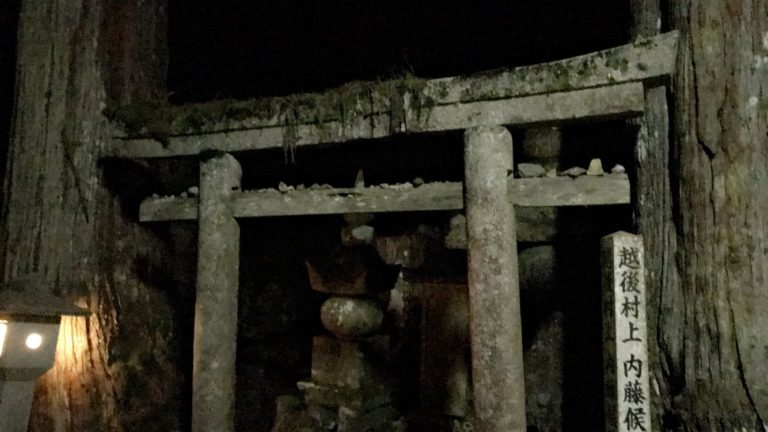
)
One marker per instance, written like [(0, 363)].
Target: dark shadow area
[(434, 157), (253, 48), (9, 20), (279, 313)]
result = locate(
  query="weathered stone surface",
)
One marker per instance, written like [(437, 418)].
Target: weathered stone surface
[(215, 343), (382, 419), (326, 419), (627, 389), (544, 382), (530, 170), (341, 363), (595, 168), (350, 271), (445, 363), (494, 297), (357, 235), (404, 250), (357, 219), (350, 375), (350, 317), (457, 235), (538, 268), (563, 191), (618, 169), (574, 172), (292, 416), (334, 280), (332, 396), (369, 110), (542, 143)]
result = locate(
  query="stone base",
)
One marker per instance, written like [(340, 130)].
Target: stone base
[(426, 423), (294, 416), (332, 396), (349, 364)]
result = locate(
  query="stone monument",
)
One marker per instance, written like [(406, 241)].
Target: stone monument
[(627, 407)]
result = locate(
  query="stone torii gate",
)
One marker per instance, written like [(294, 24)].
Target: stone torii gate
[(606, 84)]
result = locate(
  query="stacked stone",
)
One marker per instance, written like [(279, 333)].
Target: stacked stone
[(544, 396), (349, 366)]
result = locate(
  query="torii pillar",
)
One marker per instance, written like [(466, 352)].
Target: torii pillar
[(494, 291), (218, 262)]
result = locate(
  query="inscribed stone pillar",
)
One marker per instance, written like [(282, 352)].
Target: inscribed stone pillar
[(213, 398), (627, 405), (494, 297)]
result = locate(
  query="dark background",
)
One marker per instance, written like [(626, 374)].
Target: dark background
[(251, 48), (248, 48), (9, 16)]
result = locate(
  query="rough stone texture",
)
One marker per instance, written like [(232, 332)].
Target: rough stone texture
[(339, 363), (383, 419), (350, 271), (445, 363), (213, 400), (627, 389), (564, 191), (534, 224), (494, 299), (407, 250), (595, 168), (544, 376), (538, 268), (574, 172), (357, 399), (376, 109), (292, 416), (529, 170), (615, 100), (543, 146), (457, 233), (357, 235), (350, 317)]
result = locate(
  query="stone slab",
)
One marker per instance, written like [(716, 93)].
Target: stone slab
[(627, 389)]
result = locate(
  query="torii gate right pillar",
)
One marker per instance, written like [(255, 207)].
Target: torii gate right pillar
[(494, 294)]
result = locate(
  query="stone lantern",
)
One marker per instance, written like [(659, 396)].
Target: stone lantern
[(30, 317)]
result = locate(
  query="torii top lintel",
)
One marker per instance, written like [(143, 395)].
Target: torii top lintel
[(597, 85)]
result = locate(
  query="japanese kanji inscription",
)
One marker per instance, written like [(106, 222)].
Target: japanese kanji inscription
[(625, 334)]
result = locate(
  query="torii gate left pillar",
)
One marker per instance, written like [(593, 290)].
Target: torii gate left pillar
[(494, 292), (218, 262)]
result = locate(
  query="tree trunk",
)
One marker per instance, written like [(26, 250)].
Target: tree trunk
[(705, 206), (654, 219), (114, 370)]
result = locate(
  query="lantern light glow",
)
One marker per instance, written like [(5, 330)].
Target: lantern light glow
[(3, 331), (34, 341)]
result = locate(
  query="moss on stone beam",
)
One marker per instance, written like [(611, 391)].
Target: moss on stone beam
[(359, 98), (648, 58), (365, 110)]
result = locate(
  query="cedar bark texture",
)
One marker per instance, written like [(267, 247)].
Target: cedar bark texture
[(703, 209), (114, 370)]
